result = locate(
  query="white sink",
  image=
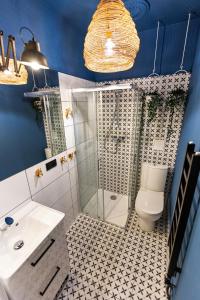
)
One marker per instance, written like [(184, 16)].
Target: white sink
[(33, 223)]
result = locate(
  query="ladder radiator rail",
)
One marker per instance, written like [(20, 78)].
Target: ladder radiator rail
[(187, 186)]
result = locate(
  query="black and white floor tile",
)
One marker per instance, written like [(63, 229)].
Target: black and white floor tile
[(108, 262)]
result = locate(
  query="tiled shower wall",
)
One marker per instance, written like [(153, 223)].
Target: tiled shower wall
[(117, 160), (156, 130)]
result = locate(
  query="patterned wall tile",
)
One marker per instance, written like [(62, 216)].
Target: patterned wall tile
[(118, 167), (118, 138)]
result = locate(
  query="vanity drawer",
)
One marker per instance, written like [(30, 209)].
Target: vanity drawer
[(44, 272), (49, 286)]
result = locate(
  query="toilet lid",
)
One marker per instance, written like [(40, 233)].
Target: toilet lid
[(150, 202)]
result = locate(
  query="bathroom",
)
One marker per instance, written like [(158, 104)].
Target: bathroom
[(99, 155)]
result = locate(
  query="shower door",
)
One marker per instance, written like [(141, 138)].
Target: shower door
[(119, 114), (85, 128), (107, 131)]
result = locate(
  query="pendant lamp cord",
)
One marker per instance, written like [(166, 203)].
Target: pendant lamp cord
[(23, 28), (185, 44), (155, 54)]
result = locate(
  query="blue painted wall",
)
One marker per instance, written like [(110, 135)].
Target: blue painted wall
[(22, 139), (62, 41), (188, 284), (170, 49), (22, 142), (59, 40)]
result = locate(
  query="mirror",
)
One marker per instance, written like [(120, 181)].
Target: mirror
[(31, 127)]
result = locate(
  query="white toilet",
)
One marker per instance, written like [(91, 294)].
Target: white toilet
[(150, 198)]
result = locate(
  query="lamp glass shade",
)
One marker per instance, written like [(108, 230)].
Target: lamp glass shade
[(112, 42), (31, 56)]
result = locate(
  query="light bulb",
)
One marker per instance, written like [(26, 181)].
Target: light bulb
[(7, 72), (34, 65), (109, 45)]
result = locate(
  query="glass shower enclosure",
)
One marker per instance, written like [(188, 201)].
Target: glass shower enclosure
[(107, 123)]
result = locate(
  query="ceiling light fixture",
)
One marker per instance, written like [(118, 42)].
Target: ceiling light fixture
[(31, 56), (112, 42)]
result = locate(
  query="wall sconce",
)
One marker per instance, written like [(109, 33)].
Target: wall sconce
[(14, 72), (11, 71), (31, 56)]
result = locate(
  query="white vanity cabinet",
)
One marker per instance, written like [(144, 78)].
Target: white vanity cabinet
[(43, 273)]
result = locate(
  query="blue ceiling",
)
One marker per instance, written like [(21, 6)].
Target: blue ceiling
[(146, 13)]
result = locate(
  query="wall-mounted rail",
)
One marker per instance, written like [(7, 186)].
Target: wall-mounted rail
[(189, 177)]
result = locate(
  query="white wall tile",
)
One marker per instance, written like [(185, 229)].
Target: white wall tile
[(54, 191), (75, 200), (68, 81), (69, 218), (73, 176), (67, 121), (65, 93), (80, 111), (38, 183), (64, 204), (82, 132), (13, 192), (82, 151), (69, 136), (72, 163)]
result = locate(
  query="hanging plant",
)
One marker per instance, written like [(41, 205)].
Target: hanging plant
[(154, 102), (175, 100), (38, 106)]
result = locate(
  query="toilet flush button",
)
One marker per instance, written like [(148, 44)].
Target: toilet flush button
[(158, 145)]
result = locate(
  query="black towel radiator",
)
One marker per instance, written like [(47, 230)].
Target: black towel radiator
[(189, 177)]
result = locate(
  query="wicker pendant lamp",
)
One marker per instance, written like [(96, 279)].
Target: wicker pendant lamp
[(112, 42)]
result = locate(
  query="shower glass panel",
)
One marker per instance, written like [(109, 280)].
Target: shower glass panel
[(107, 132), (85, 128), (118, 123)]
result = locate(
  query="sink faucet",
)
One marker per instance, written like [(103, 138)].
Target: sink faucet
[(8, 221)]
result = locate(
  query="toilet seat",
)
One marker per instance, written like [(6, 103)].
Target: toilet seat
[(150, 202)]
